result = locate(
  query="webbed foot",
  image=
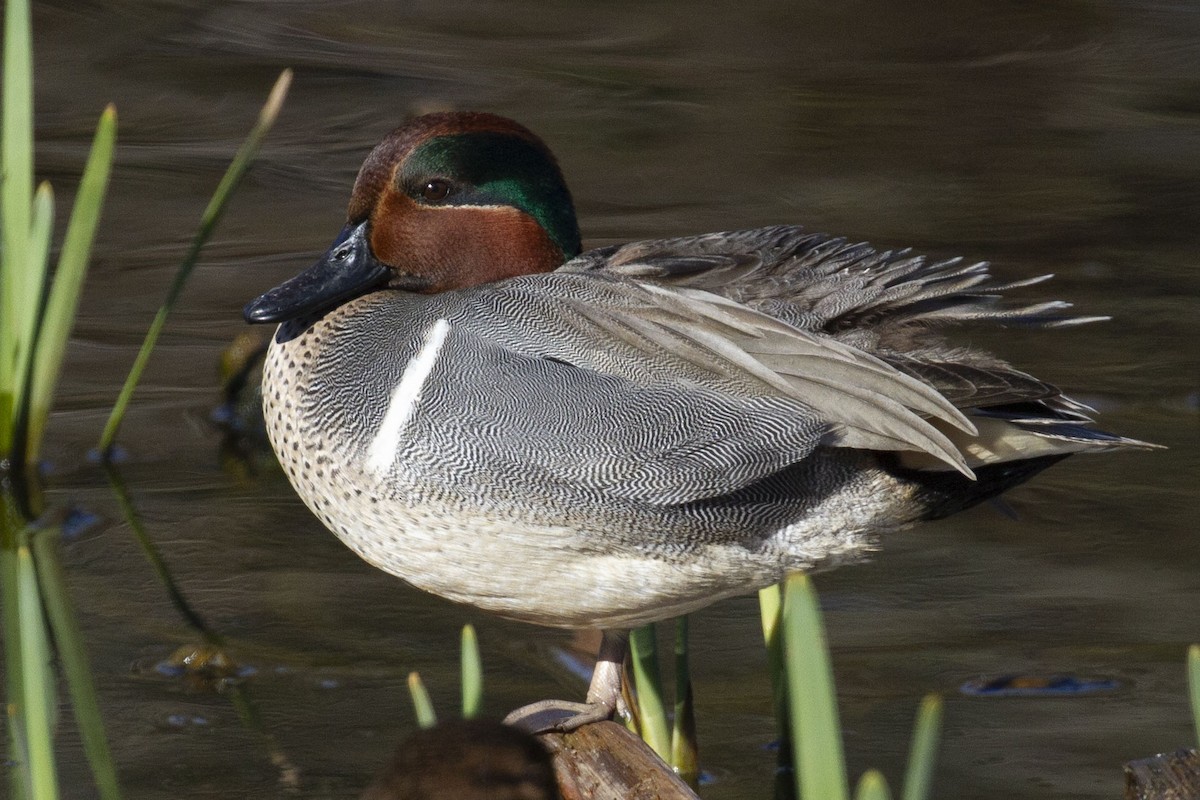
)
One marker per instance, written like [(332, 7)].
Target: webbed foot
[(603, 697), (557, 716)]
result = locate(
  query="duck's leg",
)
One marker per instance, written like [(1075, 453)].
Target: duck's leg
[(603, 697), (605, 688)]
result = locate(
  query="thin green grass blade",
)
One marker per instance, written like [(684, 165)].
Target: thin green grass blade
[(74, 660), (1193, 666), (63, 299), (652, 713), (16, 193), (38, 680), (472, 674), (426, 717), (820, 767), (684, 746), (208, 221), (922, 755), (872, 786)]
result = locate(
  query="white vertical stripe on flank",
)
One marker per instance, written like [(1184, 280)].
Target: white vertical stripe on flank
[(405, 398)]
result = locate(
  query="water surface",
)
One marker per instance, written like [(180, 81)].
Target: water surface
[(1057, 138)]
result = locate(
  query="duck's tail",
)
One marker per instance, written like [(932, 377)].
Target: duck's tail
[(944, 492), (1013, 443)]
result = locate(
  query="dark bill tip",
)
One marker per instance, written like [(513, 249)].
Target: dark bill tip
[(346, 271)]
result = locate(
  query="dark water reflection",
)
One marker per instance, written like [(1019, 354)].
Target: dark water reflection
[(1046, 137)]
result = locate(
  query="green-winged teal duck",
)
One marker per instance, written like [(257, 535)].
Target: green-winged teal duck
[(630, 433)]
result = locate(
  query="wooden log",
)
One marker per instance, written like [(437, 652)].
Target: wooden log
[(604, 761), (1168, 776)]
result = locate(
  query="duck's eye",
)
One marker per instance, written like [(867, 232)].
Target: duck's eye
[(435, 191)]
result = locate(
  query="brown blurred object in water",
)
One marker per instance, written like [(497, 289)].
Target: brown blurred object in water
[(467, 760)]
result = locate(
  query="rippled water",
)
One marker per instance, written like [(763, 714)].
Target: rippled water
[(1042, 137)]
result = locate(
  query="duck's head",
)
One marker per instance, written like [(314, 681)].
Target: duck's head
[(447, 201)]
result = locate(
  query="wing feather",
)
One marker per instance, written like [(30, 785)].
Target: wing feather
[(656, 335)]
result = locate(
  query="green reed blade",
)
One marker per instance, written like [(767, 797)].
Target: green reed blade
[(63, 298), (15, 709), (426, 717), (872, 786), (817, 740), (647, 677), (922, 755), (208, 221), (684, 746), (38, 680), (1193, 666), (472, 674), (36, 256), (73, 657), (770, 608), (16, 192)]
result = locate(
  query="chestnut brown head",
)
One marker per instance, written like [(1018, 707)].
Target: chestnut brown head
[(447, 201)]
